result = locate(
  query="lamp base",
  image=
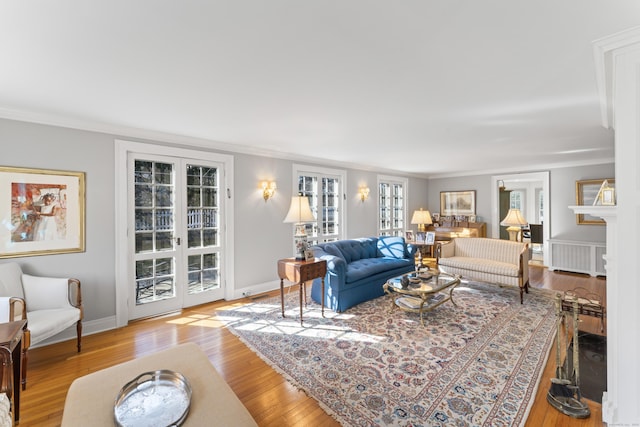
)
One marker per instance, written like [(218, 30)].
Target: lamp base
[(300, 242), (513, 233)]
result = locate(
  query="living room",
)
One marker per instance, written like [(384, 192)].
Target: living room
[(55, 140)]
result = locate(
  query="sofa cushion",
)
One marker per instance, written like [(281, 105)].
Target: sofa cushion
[(391, 246), (363, 268), (481, 265), (485, 248), (353, 250), (43, 293)]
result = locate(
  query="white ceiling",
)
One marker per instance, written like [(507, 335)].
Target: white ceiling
[(429, 87)]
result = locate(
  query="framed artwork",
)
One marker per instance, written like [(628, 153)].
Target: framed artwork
[(408, 236), (308, 255), (587, 194), (608, 196), (43, 212), (430, 238), (457, 203), (420, 237)]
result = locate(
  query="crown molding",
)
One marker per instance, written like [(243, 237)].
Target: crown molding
[(125, 132)]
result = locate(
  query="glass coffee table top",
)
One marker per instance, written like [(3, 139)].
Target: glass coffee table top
[(422, 291)]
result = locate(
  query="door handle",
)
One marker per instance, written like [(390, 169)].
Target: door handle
[(177, 241)]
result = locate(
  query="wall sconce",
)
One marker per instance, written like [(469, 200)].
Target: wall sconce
[(268, 189), (364, 193)]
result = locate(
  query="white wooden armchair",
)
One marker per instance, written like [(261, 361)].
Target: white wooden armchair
[(50, 306)]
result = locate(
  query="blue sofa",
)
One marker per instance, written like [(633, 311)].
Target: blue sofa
[(357, 269)]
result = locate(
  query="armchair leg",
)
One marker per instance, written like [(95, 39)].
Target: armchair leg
[(79, 332)]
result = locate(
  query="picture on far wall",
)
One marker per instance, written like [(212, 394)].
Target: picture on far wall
[(587, 192), (458, 202), (42, 212)]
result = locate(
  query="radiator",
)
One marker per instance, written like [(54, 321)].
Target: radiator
[(577, 257)]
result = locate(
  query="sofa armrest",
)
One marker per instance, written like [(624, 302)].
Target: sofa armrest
[(411, 250), (17, 309), (75, 295), (445, 250), (523, 267), (335, 264)]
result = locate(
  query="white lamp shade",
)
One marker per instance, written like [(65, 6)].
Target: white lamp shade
[(421, 217), (299, 211), (513, 219)]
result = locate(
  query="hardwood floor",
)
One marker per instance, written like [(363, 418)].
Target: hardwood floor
[(267, 395)]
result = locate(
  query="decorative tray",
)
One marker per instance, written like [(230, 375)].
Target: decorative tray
[(154, 399), (425, 276)]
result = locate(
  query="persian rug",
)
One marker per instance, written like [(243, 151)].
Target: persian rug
[(475, 364)]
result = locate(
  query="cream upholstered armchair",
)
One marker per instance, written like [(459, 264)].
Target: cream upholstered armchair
[(50, 306)]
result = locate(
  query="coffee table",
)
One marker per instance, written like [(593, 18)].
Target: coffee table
[(418, 292)]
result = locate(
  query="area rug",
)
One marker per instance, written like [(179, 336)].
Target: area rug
[(475, 364)]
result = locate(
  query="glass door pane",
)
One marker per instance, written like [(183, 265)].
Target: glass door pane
[(155, 241), (203, 251)]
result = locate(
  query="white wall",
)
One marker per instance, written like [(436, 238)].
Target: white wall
[(39, 146), (261, 238)]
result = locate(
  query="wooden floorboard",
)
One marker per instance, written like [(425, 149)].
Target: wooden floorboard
[(270, 399)]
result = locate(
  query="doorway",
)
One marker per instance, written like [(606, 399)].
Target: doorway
[(175, 239), (533, 187)]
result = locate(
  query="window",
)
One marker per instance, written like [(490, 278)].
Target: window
[(516, 200), (324, 188), (392, 206)]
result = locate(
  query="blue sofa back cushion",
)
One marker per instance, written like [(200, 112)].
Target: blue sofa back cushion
[(391, 246), (353, 250)]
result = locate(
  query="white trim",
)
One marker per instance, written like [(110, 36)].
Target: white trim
[(495, 205), (603, 52), (532, 168), (122, 150), (151, 135)]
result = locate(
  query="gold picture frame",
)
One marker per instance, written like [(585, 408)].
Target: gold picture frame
[(43, 210), (457, 203), (587, 194)]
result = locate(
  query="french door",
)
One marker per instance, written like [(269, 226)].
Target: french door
[(175, 223)]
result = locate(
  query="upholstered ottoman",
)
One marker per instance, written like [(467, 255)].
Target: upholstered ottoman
[(91, 398)]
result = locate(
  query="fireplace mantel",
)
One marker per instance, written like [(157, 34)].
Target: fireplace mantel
[(603, 212)]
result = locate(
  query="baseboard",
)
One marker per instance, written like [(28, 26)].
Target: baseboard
[(259, 289)]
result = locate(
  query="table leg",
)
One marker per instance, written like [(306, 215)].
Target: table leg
[(282, 296), (451, 297), (17, 379), (301, 284), (322, 297)]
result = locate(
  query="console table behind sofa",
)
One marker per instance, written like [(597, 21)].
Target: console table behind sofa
[(357, 269)]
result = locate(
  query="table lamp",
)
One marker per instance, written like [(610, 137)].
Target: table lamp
[(514, 222), (422, 218), (299, 213)]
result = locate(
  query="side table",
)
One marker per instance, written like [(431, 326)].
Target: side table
[(300, 272), (11, 334)]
